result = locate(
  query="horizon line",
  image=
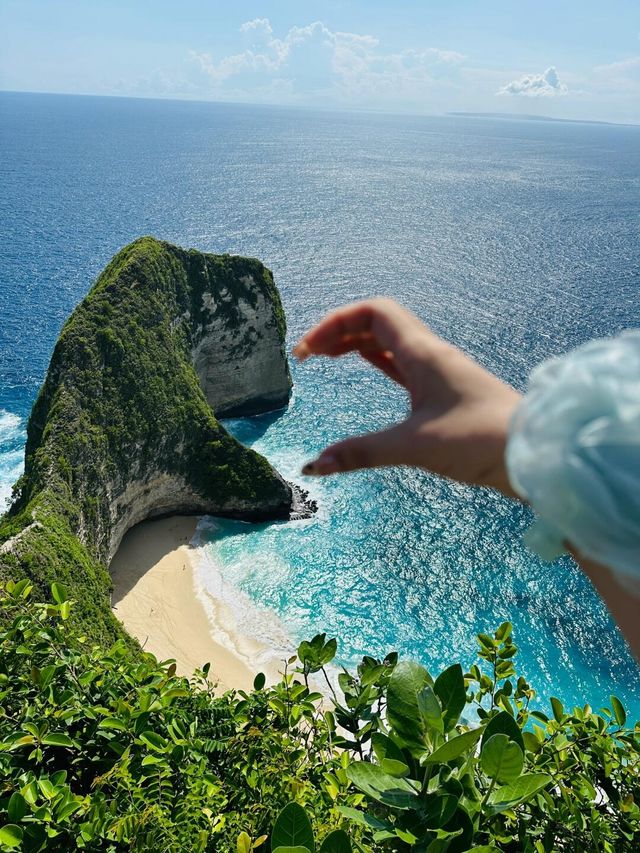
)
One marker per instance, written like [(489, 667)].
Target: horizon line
[(328, 109)]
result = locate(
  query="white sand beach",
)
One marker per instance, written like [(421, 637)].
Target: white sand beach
[(155, 598)]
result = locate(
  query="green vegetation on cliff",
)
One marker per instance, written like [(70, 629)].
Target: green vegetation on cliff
[(121, 429), (101, 752)]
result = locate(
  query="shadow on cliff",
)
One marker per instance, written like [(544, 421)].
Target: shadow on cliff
[(148, 543), (144, 546)]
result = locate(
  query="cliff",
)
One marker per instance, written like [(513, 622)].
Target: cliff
[(125, 427)]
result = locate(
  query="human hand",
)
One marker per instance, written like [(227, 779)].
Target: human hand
[(460, 412)]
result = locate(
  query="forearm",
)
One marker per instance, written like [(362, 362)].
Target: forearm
[(623, 602)]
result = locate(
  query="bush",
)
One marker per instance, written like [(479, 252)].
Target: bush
[(100, 750)]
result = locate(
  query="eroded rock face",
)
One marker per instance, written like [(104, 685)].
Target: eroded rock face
[(125, 426), (242, 370)]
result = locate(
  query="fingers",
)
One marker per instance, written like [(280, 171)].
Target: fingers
[(329, 332), (369, 349), (362, 343), (383, 320), (388, 447), (386, 362)]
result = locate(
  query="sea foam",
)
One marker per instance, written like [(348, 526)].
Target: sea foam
[(12, 438), (233, 617)]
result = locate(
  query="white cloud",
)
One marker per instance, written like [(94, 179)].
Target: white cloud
[(315, 61), (314, 65), (257, 25), (621, 76), (536, 85)]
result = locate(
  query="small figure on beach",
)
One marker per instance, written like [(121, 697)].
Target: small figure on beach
[(569, 447)]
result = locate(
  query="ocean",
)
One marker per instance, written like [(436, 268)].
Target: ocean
[(515, 240)]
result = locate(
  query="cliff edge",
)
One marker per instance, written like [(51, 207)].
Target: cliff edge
[(125, 427)]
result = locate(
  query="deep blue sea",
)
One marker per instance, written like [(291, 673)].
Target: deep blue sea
[(516, 240)]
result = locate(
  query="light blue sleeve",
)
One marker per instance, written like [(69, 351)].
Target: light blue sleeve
[(574, 453)]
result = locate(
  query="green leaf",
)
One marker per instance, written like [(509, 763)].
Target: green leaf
[(112, 723), (453, 748), (48, 790), (296, 849), (430, 709), (243, 843), (336, 842), (517, 792), (152, 760), (259, 681), (462, 825), (389, 755), (154, 740), (363, 818), (292, 829), (173, 693), (278, 706), (46, 675), (17, 807), (406, 836), (558, 710), (329, 651), (57, 739), (450, 690), (618, 710), (380, 786), (504, 631), (503, 723), (406, 684), (502, 759), (58, 592), (531, 742), (18, 740), (65, 811), (30, 792), (11, 836), (22, 588), (384, 835), (484, 848), (439, 845), (316, 653), (438, 809)]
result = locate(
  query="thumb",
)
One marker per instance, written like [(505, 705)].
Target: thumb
[(373, 450)]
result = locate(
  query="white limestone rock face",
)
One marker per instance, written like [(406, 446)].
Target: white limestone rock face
[(158, 495), (241, 362)]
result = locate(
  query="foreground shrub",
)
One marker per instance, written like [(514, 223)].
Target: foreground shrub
[(100, 750)]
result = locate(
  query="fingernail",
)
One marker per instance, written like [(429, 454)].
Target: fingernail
[(325, 464), (301, 351)]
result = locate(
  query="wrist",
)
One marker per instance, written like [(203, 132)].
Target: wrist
[(498, 476)]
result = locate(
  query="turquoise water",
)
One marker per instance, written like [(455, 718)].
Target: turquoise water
[(515, 240)]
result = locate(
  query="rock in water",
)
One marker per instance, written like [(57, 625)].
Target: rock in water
[(125, 428)]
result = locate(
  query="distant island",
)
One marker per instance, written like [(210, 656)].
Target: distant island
[(530, 117), (125, 428)]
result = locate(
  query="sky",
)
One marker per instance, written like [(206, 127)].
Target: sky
[(575, 59)]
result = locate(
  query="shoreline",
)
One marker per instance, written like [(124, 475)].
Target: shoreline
[(157, 599)]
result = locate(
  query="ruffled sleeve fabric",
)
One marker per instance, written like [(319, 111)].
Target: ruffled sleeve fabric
[(574, 453)]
